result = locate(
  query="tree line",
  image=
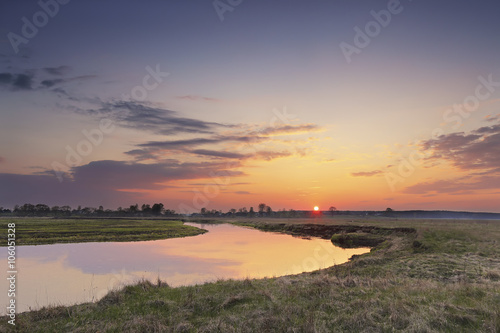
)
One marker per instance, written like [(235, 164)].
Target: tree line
[(156, 209)]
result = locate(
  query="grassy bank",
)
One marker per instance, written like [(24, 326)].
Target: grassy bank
[(37, 231), (445, 277)]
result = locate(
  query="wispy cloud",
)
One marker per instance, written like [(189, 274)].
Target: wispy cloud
[(479, 149), (52, 82), (57, 71), (215, 153), (147, 117), (460, 185), (198, 98), (366, 173), (476, 153), (225, 144), (289, 129), (106, 182), (36, 79), (23, 81)]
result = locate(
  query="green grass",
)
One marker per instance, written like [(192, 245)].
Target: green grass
[(445, 277), (36, 231)]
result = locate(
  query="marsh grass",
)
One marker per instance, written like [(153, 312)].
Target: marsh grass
[(37, 231), (442, 278)]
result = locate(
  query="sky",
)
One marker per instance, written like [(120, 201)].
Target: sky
[(361, 105)]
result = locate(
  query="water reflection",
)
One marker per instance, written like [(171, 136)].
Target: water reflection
[(75, 273)]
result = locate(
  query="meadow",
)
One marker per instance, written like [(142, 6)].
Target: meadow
[(425, 276), (38, 231)]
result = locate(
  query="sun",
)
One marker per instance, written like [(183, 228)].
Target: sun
[(316, 208)]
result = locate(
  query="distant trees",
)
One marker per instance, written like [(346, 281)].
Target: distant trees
[(133, 209), (389, 212), (262, 207), (157, 209), (146, 209), (265, 210), (5, 210), (28, 209)]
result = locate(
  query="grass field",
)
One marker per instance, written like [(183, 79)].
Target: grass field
[(445, 277), (37, 231)]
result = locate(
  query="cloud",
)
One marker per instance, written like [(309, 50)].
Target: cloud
[(289, 129), (198, 98), (242, 192), (228, 145), (261, 155), (22, 81), (52, 82), (366, 173), (461, 185), (476, 153), (106, 182), (146, 117), (215, 153), (186, 143), (29, 79), (229, 184), (57, 71), (270, 155), (245, 137), (479, 149)]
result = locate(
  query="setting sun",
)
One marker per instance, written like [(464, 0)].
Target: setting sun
[(316, 208)]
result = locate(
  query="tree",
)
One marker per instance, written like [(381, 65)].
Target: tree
[(268, 211), (66, 210), (133, 209), (389, 210), (42, 209), (203, 211), (262, 206), (157, 209), (232, 211), (251, 213), (332, 210), (169, 212), (146, 209)]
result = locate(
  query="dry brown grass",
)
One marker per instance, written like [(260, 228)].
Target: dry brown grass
[(444, 278)]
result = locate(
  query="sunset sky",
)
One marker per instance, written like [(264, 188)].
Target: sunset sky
[(362, 105)]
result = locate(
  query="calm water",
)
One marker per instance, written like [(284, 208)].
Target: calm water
[(76, 273)]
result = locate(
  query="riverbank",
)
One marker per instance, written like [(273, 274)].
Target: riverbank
[(444, 276), (41, 231)]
